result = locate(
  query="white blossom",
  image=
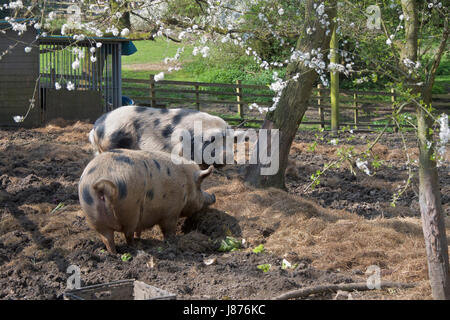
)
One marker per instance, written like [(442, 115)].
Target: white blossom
[(362, 165), (75, 64), (18, 118), (444, 133), (159, 76)]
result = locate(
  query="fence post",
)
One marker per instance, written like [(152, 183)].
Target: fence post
[(355, 104), (239, 99), (52, 78), (319, 102), (152, 91), (197, 97), (393, 99)]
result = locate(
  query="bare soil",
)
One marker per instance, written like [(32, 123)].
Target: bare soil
[(333, 233)]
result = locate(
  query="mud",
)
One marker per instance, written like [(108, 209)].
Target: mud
[(43, 231)]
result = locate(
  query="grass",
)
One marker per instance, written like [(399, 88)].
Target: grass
[(155, 51), (442, 84), (150, 56)]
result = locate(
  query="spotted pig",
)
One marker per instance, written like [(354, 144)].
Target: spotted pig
[(151, 129), (132, 190)]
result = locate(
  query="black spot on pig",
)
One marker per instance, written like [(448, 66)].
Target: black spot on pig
[(137, 125), (100, 130), (164, 110), (168, 171), (156, 122), (100, 120), (140, 109), (123, 190), (167, 131), (121, 139), (124, 159), (158, 166), (116, 151), (87, 196), (91, 170), (146, 166), (150, 194), (99, 126), (180, 115)]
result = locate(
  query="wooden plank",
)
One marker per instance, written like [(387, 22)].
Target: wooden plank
[(17, 84), (208, 92), (28, 78), (194, 100), (362, 93), (19, 72), (20, 63), (73, 105), (201, 84), (136, 81), (441, 96)]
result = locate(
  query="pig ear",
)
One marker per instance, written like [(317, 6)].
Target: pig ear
[(200, 175)]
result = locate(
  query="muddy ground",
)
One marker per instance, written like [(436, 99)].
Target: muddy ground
[(331, 233)]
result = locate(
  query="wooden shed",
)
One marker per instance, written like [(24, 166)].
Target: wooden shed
[(19, 73), (46, 71)]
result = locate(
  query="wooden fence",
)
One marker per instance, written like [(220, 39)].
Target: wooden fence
[(362, 109)]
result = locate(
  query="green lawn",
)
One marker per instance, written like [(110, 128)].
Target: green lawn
[(442, 84), (153, 53)]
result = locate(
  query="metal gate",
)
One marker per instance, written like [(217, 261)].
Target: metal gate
[(103, 74)]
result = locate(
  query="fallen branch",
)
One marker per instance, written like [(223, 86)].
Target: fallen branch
[(359, 286)]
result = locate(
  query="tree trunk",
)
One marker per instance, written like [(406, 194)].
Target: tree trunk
[(433, 223), (294, 99), (334, 82)]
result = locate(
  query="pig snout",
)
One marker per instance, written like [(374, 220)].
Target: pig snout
[(209, 199)]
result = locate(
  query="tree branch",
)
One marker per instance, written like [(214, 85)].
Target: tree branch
[(321, 289)]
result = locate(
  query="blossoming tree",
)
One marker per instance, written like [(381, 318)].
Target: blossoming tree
[(393, 52)]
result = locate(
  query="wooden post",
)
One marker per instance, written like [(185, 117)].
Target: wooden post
[(197, 97), (52, 77), (239, 99), (393, 105), (334, 92), (319, 102), (152, 91), (355, 105)]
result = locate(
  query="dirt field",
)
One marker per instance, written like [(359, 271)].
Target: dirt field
[(333, 232)]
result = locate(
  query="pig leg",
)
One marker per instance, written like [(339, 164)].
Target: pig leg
[(169, 228), (107, 237), (137, 234), (129, 237)]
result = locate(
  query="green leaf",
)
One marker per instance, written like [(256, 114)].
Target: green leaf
[(259, 249), (126, 257), (264, 267), (58, 207), (229, 244)]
